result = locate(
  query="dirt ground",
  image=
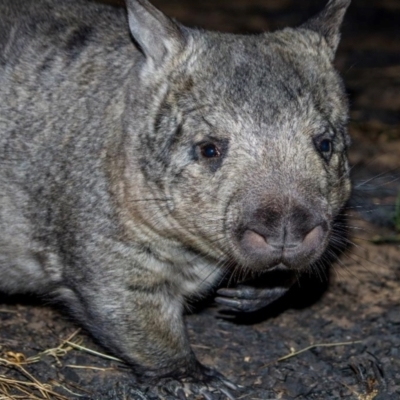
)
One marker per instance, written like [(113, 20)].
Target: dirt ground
[(333, 339)]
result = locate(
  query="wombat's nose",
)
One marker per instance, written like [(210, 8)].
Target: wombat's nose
[(289, 241), (257, 240)]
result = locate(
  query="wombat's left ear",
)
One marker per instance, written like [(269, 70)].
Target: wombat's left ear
[(157, 35), (327, 23)]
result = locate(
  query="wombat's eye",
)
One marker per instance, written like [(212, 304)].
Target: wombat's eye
[(325, 146), (210, 150)]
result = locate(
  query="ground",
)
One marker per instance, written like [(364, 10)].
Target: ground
[(333, 340)]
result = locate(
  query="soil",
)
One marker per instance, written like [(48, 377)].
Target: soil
[(340, 334)]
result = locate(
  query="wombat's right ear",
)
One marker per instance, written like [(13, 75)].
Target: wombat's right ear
[(327, 23), (157, 35)]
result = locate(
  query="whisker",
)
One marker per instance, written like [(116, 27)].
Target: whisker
[(376, 177)]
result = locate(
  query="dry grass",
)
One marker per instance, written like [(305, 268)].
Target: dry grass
[(28, 386)]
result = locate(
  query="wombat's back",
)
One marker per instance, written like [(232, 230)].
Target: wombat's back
[(61, 63)]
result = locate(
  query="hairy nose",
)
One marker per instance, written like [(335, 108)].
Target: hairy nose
[(292, 238)]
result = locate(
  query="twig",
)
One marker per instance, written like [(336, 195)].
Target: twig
[(294, 353), (393, 239), (90, 367), (90, 351)]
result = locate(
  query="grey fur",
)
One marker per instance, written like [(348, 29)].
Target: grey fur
[(108, 199)]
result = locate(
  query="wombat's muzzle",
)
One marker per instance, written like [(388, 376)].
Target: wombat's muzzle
[(294, 238)]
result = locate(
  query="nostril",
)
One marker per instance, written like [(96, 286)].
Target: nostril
[(253, 240), (257, 241), (314, 237)]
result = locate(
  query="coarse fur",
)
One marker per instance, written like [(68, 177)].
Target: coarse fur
[(143, 161)]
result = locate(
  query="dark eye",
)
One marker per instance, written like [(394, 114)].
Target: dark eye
[(210, 150), (325, 146)]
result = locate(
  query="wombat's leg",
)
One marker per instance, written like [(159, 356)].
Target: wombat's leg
[(143, 324), (247, 298)]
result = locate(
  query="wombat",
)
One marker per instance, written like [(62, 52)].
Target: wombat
[(142, 162)]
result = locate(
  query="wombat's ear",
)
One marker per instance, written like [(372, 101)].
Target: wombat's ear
[(327, 23), (157, 35)]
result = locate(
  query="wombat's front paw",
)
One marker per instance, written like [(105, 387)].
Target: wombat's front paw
[(255, 294), (206, 384), (247, 298)]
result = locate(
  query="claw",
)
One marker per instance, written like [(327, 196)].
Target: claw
[(230, 385), (244, 292), (233, 303), (227, 393), (246, 298), (207, 395), (250, 293), (174, 388), (181, 394), (203, 381)]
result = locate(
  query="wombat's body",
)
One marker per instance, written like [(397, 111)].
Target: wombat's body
[(135, 174)]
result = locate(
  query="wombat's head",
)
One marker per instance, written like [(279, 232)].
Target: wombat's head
[(245, 137)]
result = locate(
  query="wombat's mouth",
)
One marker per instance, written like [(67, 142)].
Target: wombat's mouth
[(280, 267)]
